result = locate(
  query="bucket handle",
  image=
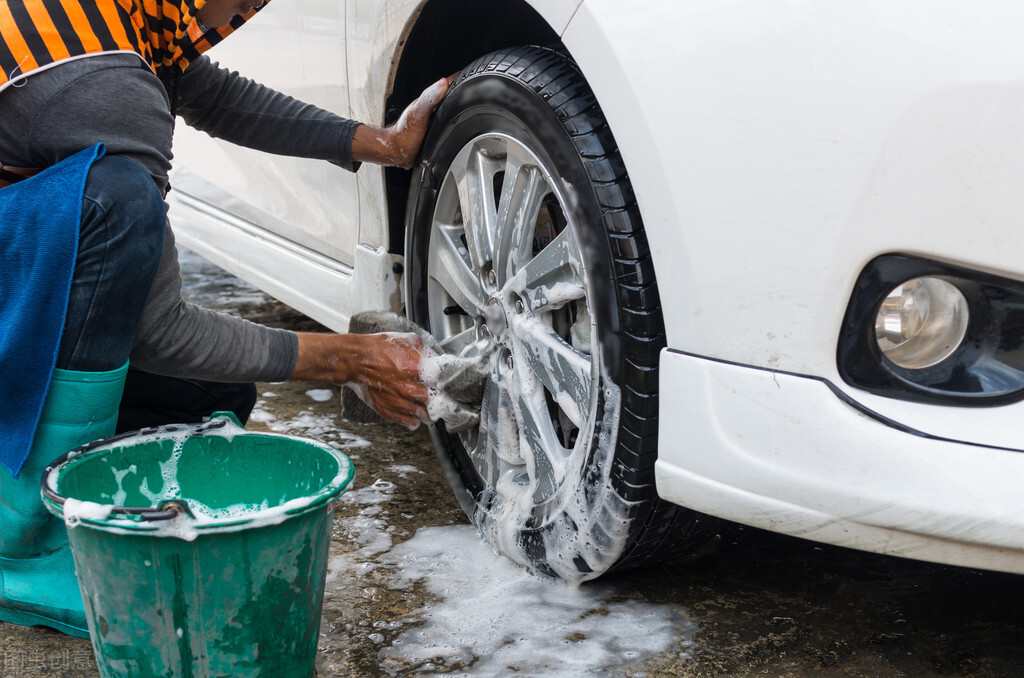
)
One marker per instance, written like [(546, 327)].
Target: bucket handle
[(165, 510)]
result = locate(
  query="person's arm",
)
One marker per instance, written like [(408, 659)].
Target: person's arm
[(383, 369), (181, 339), (228, 106), (178, 338)]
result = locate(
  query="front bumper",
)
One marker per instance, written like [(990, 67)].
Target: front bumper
[(786, 453)]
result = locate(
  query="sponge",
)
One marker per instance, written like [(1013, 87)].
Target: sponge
[(456, 383)]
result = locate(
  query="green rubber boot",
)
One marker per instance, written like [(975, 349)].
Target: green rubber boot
[(37, 575)]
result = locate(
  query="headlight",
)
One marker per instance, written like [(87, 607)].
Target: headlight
[(921, 322)]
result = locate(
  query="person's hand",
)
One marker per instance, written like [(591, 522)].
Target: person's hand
[(399, 144), (383, 369)]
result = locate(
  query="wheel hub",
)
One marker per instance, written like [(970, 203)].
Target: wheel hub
[(496, 319)]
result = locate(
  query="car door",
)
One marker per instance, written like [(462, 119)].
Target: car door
[(312, 205)]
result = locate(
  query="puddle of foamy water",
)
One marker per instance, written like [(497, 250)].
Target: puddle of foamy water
[(367, 529), (321, 395), (306, 424), (404, 470), (495, 618), (260, 414), (491, 617)]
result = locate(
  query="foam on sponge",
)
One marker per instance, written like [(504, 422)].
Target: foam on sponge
[(456, 383)]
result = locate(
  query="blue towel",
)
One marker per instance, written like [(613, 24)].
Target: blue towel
[(39, 222)]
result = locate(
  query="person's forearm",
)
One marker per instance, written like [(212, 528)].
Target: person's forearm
[(181, 339), (325, 357), (228, 106)]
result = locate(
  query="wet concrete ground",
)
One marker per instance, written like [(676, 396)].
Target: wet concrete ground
[(763, 605)]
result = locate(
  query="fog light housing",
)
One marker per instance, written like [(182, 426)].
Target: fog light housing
[(932, 332), (921, 322)]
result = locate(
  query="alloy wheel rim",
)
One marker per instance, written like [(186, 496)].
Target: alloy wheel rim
[(505, 278)]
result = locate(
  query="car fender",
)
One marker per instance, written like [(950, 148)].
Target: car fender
[(788, 144)]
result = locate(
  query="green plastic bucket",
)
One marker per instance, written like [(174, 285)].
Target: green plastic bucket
[(200, 550)]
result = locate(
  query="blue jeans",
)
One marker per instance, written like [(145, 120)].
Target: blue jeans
[(154, 400), (120, 242)]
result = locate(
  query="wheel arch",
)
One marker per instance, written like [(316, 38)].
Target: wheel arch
[(445, 36)]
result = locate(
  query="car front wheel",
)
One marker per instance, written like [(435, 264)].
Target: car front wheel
[(525, 246)]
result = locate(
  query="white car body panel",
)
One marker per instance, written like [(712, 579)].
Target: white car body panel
[(781, 452), (807, 152), (775, 149), (375, 30)]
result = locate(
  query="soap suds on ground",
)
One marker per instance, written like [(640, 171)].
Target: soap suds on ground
[(320, 395), (493, 618), (421, 601)]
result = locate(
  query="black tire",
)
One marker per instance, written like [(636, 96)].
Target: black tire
[(587, 504)]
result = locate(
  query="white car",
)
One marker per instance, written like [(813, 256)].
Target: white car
[(762, 261)]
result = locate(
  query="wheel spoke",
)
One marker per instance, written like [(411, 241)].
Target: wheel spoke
[(522, 194), (552, 278), (488, 435), (497, 442), (564, 371), (473, 171), (545, 457), (457, 343), (452, 271)]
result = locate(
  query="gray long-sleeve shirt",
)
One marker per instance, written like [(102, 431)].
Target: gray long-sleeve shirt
[(115, 99)]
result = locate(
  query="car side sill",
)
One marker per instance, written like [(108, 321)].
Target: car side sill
[(324, 289)]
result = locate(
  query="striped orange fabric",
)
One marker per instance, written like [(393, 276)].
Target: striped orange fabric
[(37, 34)]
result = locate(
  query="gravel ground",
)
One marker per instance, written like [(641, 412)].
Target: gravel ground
[(412, 592)]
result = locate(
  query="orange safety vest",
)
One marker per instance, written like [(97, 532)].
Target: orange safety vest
[(39, 34)]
